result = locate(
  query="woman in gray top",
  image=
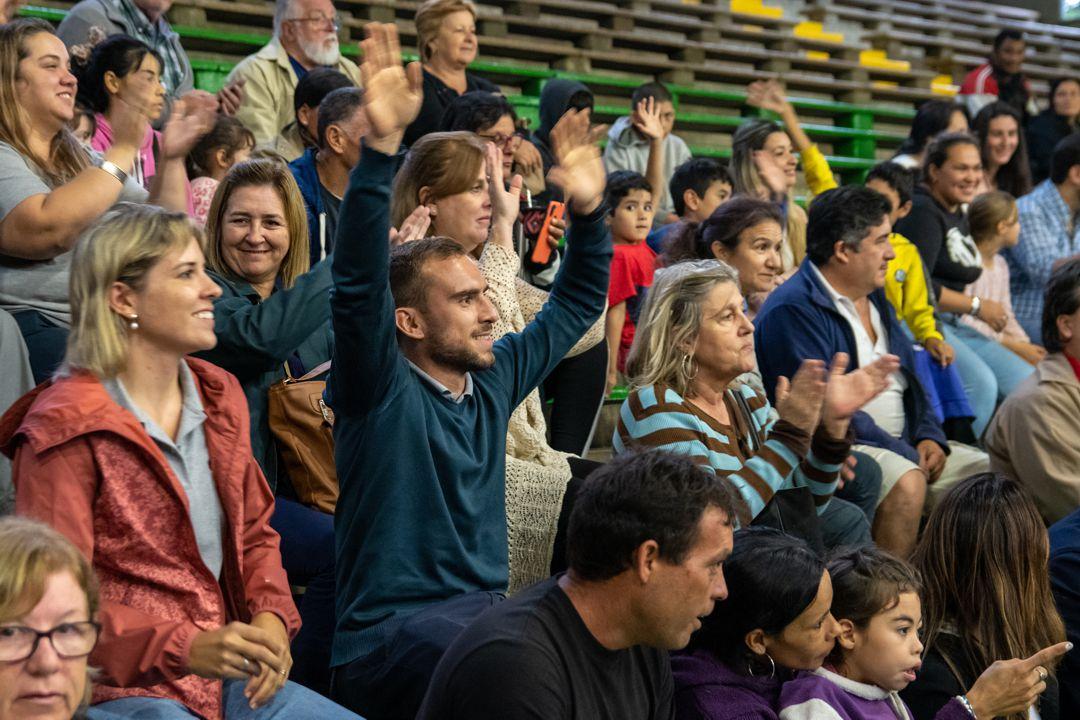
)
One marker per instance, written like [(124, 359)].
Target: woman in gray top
[(51, 188)]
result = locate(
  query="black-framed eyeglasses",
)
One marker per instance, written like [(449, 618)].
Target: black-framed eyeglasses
[(69, 640), (319, 19)]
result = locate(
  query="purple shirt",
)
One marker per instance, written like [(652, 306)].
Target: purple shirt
[(707, 689)]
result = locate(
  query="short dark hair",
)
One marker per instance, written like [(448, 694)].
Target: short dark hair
[(896, 176), (937, 152), (931, 119), (619, 185), (1058, 82), (1066, 155), (1007, 34), (476, 111), (696, 174), (693, 241), (1062, 298), (407, 282), (337, 107), (843, 214), (636, 497), (772, 577), (651, 90), (866, 581), (316, 85)]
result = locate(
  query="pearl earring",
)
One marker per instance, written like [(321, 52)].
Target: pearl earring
[(133, 322)]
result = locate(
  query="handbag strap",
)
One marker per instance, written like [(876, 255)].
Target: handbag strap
[(313, 373)]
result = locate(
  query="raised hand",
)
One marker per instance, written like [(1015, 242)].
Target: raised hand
[(646, 119), (192, 116), (849, 392), (579, 170), (392, 93), (800, 400), (414, 227), (129, 125), (767, 95), (772, 174), (505, 201)]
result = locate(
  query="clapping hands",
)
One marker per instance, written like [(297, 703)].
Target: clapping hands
[(831, 398)]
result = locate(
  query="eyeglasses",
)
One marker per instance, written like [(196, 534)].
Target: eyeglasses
[(319, 19), (69, 640), (504, 142)]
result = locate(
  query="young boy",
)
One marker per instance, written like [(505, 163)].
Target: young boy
[(643, 142), (629, 200), (905, 280), (698, 187)]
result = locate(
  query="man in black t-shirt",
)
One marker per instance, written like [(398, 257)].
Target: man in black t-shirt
[(647, 541)]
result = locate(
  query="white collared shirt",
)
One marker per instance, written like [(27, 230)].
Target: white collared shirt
[(887, 409)]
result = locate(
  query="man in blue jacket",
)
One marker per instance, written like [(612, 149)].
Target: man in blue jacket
[(422, 396), (835, 303)]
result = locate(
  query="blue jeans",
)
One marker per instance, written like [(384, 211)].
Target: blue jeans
[(847, 520), (307, 554), (989, 370), (46, 342), (292, 702)]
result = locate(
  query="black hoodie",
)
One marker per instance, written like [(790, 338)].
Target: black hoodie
[(554, 102), (944, 242)]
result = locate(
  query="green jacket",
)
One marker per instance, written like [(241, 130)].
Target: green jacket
[(257, 337)]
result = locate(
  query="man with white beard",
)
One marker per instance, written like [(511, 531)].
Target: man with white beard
[(305, 37)]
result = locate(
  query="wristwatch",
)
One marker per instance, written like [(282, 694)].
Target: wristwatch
[(976, 305)]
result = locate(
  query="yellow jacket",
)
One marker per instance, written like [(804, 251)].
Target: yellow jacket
[(906, 288)]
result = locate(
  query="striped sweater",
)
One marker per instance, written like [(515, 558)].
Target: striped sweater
[(757, 455)]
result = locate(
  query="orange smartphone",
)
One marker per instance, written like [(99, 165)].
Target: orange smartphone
[(542, 251)]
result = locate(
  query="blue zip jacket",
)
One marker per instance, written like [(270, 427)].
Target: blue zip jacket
[(799, 322), (422, 513), (307, 178)]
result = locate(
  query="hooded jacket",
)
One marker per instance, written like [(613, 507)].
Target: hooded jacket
[(554, 102), (627, 150), (707, 689), (86, 466)]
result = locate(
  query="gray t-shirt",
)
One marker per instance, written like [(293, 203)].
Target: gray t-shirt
[(190, 462), (40, 285)]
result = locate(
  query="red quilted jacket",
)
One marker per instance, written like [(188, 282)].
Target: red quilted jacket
[(85, 466)]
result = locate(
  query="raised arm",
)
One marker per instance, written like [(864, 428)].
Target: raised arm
[(362, 307), (646, 119), (769, 95)]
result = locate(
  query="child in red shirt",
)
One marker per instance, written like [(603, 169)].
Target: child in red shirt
[(630, 206)]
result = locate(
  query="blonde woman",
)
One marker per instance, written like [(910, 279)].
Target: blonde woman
[(51, 189), (141, 457), (693, 341), (48, 609)]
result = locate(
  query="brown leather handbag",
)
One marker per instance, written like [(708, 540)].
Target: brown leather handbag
[(303, 425)]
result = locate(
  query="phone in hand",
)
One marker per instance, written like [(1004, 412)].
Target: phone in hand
[(542, 250)]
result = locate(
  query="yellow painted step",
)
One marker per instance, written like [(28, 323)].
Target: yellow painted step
[(943, 85), (877, 58), (816, 31), (756, 7), (817, 55)]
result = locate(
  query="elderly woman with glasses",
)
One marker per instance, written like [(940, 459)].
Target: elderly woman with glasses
[(693, 340)]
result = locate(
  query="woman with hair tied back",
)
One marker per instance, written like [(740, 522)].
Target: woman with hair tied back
[(987, 604), (48, 614), (933, 118), (774, 622), (693, 342), (134, 439), (51, 189)]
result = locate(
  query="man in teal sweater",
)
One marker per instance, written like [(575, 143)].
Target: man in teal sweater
[(422, 396)]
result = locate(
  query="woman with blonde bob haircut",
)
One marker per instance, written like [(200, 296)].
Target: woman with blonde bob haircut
[(48, 608), (693, 341), (273, 318), (52, 189), (134, 439), (447, 43)]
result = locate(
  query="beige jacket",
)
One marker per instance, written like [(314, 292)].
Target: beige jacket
[(1035, 437), (268, 94)]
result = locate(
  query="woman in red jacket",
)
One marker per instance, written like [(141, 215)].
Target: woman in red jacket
[(142, 457)]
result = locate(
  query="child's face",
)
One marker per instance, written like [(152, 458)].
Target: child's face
[(886, 653), (666, 110), (632, 219), (898, 211), (718, 193)]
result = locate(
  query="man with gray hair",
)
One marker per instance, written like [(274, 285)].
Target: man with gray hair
[(305, 37)]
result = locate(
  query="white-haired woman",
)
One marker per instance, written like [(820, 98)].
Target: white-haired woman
[(141, 456), (693, 341)]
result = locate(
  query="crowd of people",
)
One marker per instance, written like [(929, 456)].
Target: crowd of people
[(302, 379)]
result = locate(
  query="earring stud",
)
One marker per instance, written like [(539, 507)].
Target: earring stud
[(133, 322)]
